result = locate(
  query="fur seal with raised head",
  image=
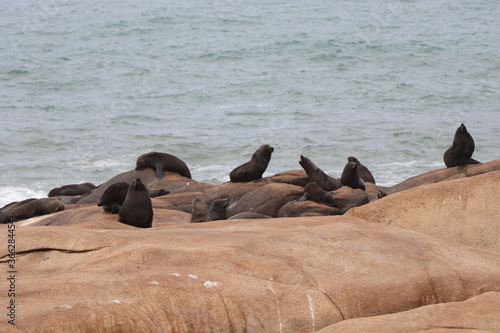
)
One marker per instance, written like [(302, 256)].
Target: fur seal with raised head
[(113, 197), (460, 153), (316, 193), (351, 178), (199, 212), (72, 189), (161, 162), (37, 207), (253, 169), (137, 209), (217, 210), (317, 175), (363, 171)]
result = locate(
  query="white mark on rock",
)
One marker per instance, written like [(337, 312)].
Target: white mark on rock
[(176, 274), (192, 276), (278, 306), (66, 306), (154, 282), (210, 284), (115, 301), (309, 298)]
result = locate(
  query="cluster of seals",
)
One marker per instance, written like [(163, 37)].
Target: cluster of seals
[(316, 175), (29, 208), (363, 171), (460, 153), (137, 209), (161, 162), (255, 168), (201, 213)]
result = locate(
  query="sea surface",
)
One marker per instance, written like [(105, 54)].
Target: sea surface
[(88, 86)]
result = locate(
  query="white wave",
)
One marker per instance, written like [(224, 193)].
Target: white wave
[(10, 194)]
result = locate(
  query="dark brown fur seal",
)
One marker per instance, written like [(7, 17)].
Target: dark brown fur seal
[(317, 175), (113, 197), (314, 192), (72, 189), (199, 212), (36, 207), (217, 210), (460, 153), (137, 209), (351, 178), (363, 171), (253, 169), (158, 193), (161, 162)]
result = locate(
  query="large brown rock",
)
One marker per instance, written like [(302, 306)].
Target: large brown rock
[(285, 274), (478, 314), (444, 174), (464, 211)]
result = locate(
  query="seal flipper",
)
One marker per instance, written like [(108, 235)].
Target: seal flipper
[(362, 184), (304, 197), (159, 171), (473, 161)]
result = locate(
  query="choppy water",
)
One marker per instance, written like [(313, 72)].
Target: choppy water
[(86, 87)]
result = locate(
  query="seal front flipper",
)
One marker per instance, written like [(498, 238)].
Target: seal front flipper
[(159, 170)]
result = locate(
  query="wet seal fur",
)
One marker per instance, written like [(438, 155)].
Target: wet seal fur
[(255, 168), (113, 197), (460, 153), (137, 209), (351, 178), (161, 162), (317, 175), (31, 208), (72, 189), (363, 171), (314, 192)]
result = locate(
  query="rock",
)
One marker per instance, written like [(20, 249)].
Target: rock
[(444, 174), (347, 197), (478, 314), (463, 211), (290, 275), (266, 200)]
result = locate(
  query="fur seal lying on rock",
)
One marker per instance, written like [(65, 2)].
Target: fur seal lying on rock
[(217, 210), (363, 171), (317, 175), (113, 197), (137, 209), (351, 178), (253, 169), (161, 162), (199, 212), (72, 189), (314, 192), (34, 207), (460, 153)]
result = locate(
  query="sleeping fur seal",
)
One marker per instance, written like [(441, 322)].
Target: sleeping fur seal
[(217, 210), (351, 178), (37, 207), (363, 171), (137, 209), (460, 153), (161, 162), (253, 169), (317, 175), (314, 192), (72, 189), (113, 197)]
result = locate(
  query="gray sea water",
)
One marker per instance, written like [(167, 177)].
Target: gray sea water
[(88, 86)]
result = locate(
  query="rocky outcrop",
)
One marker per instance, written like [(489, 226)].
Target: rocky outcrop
[(464, 211)]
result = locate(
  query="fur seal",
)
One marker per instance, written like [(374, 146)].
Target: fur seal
[(350, 177), (317, 175), (113, 197), (217, 210), (253, 169), (363, 171), (460, 153), (199, 212), (37, 207), (249, 216), (162, 162), (72, 189), (314, 192), (137, 209), (158, 193)]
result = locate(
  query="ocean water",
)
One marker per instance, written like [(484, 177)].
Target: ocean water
[(87, 87)]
